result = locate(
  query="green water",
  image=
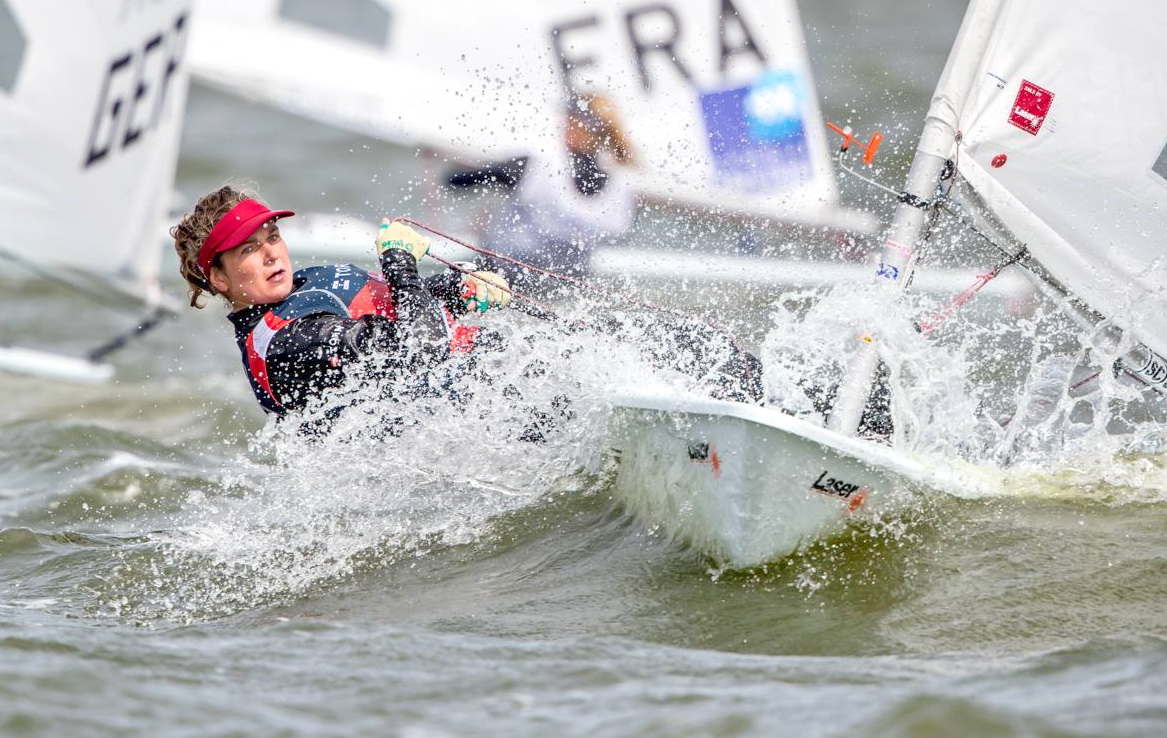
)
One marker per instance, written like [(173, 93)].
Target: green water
[(163, 574)]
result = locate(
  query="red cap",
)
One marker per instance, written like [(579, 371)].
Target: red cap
[(234, 228)]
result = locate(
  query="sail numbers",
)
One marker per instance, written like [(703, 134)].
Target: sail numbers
[(651, 36), (134, 92)]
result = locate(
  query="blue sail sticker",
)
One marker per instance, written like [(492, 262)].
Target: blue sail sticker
[(757, 133)]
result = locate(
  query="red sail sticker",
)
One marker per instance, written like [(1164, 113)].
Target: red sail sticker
[(1030, 107)]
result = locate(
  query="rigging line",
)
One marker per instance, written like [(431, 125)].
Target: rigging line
[(502, 257), (582, 284), (942, 199), (151, 320), (542, 310), (93, 295), (839, 159), (899, 195), (1021, 257), (1085, 381), (953, 208), (938, 319)]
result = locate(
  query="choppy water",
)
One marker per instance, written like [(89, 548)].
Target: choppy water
[(171, 566)]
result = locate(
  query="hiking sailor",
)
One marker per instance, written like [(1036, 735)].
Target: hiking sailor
[(299, 333), (561, 203)]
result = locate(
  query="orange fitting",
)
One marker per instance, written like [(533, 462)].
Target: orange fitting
[(844, 132), (869, 149), (872, 147)]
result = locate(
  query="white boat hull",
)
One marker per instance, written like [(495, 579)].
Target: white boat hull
[(746, 484), (53, 366)]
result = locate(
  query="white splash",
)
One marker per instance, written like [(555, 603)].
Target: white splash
[(1007, 393), (393, 469)]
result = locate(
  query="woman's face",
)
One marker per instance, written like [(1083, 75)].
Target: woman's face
[(257, 271)]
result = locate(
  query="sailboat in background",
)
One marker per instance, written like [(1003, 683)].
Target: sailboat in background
[(716, 95), (1047, 133), (90, 120)]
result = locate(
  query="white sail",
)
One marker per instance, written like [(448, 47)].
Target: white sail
[(91, 107), (1065, 137), (1065, 142), (716, 95)]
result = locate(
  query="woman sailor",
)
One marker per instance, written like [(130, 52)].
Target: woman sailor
[(300, 332), (562, 203)]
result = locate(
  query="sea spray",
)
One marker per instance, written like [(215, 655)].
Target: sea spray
[(386, 469), (807, 356)]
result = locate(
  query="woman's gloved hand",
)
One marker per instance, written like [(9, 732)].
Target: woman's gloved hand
[(394, 236), (484, 290)]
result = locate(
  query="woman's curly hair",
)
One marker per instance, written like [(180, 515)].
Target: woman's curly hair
[(193, 229)]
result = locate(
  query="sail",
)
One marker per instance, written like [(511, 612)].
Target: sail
[(716, 95), (91, 107), (1065, 138)]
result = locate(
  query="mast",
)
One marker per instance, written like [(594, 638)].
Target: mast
[(898, 258)]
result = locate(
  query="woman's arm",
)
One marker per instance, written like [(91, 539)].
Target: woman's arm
[(420, 320), (314, 352)]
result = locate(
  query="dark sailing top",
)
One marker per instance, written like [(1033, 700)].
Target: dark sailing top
[(337, 315)]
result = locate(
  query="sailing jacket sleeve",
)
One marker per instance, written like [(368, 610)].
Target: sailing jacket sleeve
[(314, 352), (504, 174)]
